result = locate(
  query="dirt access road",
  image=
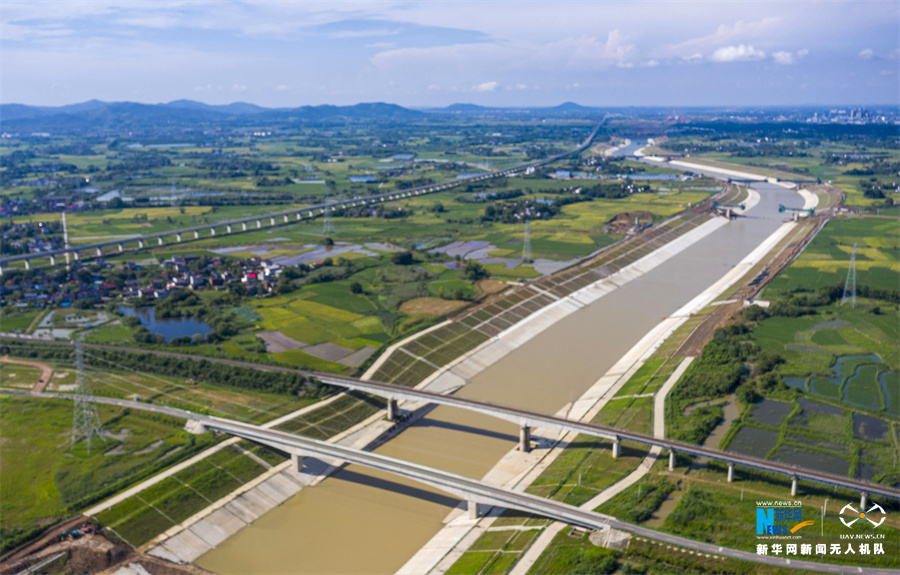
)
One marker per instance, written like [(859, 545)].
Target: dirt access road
[(46, 371)]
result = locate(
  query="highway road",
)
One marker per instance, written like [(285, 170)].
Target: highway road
[(467, 488)]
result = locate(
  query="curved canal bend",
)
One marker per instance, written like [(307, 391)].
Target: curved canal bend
[(359, 521)]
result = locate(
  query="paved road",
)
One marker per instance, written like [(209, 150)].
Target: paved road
[(468, 488), (529, 418)]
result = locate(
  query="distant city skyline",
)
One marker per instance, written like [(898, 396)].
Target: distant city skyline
[(436, 53)]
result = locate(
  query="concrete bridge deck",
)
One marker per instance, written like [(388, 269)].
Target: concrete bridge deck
[(475, 492), (528, 419)]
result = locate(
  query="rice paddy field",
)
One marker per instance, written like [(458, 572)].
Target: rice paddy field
[(826, 260)]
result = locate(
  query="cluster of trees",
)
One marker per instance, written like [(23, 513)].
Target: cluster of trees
[(519, 211), (482, 197), (729, 363), (200, 370), (802, 302)]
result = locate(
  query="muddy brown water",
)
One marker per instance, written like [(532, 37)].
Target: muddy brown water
[(359, 521)]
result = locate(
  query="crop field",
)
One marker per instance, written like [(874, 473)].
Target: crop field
[(13, 320), (45, 479), (819, 436), (831, 355), (826, 260)]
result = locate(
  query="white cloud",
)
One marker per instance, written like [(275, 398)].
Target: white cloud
[(486, 87), (281, 88), (364, 33), (867, 54), (787, 58), (783, 58), (740, 53), (239, 88), (521, 87), (739, 32), (651, 64)]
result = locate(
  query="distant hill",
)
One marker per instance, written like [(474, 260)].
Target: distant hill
[(95, 116), (235, 108), (570, 108), (99, 116)]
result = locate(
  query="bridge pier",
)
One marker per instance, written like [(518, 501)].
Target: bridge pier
[(525, 438), (730, 472), (617, 447), (228, 228), (28, 264), (285, 218), (392, 410), (794, 486), (244, 225), (195, 427), (52, 262), (99, 252), (1, 270), (272, 221), (121, 248), (863, 500), (212, 231), (299, 215), (196, 235), (258, 224), (141, 244), (160, 241), (297, 461), (671, 460), (178, 238), (474, 510), (74, 256)]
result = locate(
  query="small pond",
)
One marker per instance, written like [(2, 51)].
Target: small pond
[(169, 328)]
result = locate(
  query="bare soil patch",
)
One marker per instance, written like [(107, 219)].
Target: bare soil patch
[(434, 306)]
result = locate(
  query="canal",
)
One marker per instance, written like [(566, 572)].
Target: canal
[(358, 521)]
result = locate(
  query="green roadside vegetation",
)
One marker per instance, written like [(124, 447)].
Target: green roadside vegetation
[(46, 479)]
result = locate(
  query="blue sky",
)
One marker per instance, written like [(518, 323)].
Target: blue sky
[(284, 53)]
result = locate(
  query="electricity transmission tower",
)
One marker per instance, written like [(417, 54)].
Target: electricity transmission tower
[(850, 284), (526, 249), (86, 419), (327, 225)]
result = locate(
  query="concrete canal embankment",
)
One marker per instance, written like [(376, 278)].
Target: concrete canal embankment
[(542, 363)]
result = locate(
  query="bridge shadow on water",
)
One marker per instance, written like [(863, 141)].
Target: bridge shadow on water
[(395, 487), (427, 422)]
